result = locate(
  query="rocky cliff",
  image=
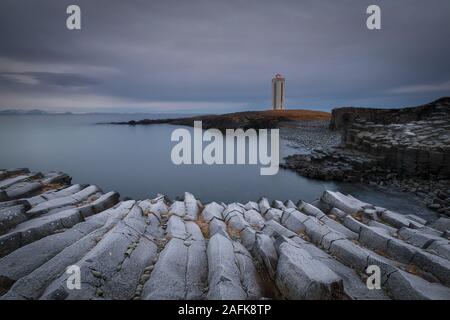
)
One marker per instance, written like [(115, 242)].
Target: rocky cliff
[(407, 148), (341, 118)]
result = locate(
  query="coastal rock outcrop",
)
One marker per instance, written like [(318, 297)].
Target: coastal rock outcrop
[(408, 148), (162, 249), (342, 118)]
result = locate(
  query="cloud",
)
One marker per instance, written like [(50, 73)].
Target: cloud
[(19, 78), (49, 78), (12, 65), (222, 52), (439, 87)]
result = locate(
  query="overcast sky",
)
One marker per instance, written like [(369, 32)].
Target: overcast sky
[(218, 56)]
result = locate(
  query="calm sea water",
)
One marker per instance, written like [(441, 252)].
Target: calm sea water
[(135, 161)]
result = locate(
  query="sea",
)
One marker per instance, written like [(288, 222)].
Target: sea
[(136, 162)]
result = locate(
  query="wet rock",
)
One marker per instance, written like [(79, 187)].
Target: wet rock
[(339, 228), (37, 228), (217, 226), (273, 229), (264, 205), (294, 220), (176, 228), (354, 287), (248, 237), (213, 210), (33, 285), (55, 194), (71, 200), (231, 210), (289, 204), (278, 205), (252, 205), (340, 201), (440, 248), (28, 258), (177, 208), (350, 254), (180, 272), (4, 174), (151, 253), (125, 246), (22, 190), (338, 213), (266, 253), (254, 219), (250, 279), (417, 237), (436, 265), (406, 286), (155, 207), (12, 216), (396, 220), (300, 276), (310, 210), (191, 205), (416, 219), (11, 181), (274, 214), (224, 275), (441, 224), (390, 230)]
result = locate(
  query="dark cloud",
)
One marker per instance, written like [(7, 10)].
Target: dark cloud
[(223, 53), (47, 79)]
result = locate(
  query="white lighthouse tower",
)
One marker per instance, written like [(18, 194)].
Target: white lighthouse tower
[(278, 92)]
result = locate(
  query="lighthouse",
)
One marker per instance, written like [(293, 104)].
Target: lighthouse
[(278, 92)]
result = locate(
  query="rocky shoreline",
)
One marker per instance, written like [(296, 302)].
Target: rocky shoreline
[(307, 135), (408, 149), (162, 249)]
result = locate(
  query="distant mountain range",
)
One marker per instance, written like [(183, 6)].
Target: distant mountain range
[(29, 112), (39, 112)]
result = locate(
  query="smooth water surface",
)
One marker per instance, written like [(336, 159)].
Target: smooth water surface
[(135, 161)]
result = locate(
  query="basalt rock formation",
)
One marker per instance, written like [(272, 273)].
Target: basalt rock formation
[(408, 148), (342, 118), (162, 249)]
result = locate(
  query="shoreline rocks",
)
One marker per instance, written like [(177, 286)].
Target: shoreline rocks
[(408, 149), (162, 249), (341, 118), (304, 136)]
